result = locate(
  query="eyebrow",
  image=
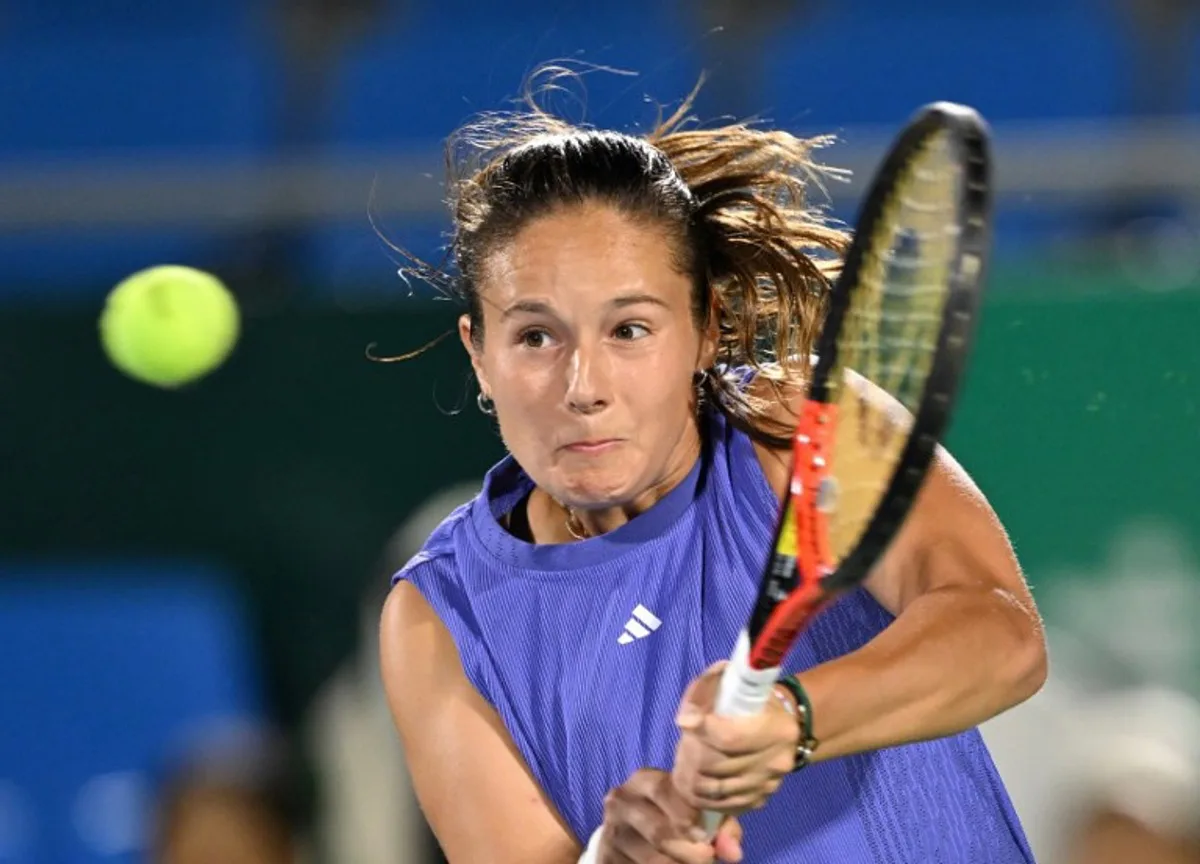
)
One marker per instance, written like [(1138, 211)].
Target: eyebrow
[(539, 307), (624, 300)]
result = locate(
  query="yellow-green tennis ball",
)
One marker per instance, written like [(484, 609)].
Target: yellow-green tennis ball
[(169, 325)]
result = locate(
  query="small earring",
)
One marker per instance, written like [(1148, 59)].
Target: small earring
[(486, 405), (699, 381)]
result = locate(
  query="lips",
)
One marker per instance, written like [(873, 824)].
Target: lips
[(592, 445)]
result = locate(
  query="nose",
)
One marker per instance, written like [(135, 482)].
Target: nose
[(587, 381)]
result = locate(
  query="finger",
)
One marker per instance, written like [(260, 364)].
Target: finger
[(732, 828), (735, 805), (729, 779), (727, 844), (688, 852), (728, 788), (700, 696), (643, 834), (654, 791), (713, 766), (625, 846), (646, 810), (672, 851), (675, 806), (611, 854), (643, 783), (734, 797), (733, 789), (742, 736), (625, 835)]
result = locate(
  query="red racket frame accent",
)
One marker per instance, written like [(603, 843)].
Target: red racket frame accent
[(812, 453)]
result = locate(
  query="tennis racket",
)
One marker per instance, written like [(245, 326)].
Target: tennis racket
[(902, 315)]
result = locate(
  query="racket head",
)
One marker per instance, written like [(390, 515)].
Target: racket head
[(890, 359)]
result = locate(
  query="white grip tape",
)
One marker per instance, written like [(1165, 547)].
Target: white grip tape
[(592, 852), (743, 692)]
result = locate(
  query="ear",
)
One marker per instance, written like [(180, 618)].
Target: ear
[(464, 334), (709, 339)]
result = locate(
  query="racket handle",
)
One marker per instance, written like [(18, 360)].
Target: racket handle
[(743, 692), (591, 852)]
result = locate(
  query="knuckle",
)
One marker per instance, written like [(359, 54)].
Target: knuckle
[(642, 782), (723, 737), (684, 792), (660, 834), (614, 802), (783, 763), (662, 786)]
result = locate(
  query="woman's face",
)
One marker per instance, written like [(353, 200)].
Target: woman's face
[(589, 352)]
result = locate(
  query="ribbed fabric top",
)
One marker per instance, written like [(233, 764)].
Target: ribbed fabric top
[(585, 648)]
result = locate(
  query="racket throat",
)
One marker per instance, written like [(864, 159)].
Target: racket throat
[(814, 490), (784, 623)]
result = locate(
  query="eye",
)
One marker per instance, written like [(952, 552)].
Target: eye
[(534, 337), (628, 332)]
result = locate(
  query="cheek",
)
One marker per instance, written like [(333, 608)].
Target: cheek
[(523, 408), (503, 373), (664, 385), (519, 385), (664, 397)]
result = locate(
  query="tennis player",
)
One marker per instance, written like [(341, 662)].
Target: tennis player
[(639, 314)]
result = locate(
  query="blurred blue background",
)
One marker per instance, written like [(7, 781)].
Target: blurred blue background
[(177, 568)]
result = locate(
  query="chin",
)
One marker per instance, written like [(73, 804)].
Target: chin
[(593, 489)]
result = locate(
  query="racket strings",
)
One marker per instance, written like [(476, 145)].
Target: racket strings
[(891, 338)]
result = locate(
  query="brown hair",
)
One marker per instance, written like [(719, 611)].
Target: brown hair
[(733, 201)]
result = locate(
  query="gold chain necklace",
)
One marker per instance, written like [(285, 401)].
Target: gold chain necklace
[(574, 526)]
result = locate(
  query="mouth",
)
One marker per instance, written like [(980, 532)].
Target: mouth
[(592, 446)]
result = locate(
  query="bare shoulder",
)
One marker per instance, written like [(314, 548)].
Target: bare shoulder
[(952, 535), (785, 400), (951, 523), (472, 783)]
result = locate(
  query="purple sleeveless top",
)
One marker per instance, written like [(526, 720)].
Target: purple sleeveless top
[(585, 648)]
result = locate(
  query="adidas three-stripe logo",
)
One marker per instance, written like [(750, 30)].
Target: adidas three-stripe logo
[(641, 624)]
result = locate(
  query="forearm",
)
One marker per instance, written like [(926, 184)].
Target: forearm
[(954, 658)]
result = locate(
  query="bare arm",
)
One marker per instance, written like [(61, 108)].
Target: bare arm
[(967, 642), (472, 784)]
